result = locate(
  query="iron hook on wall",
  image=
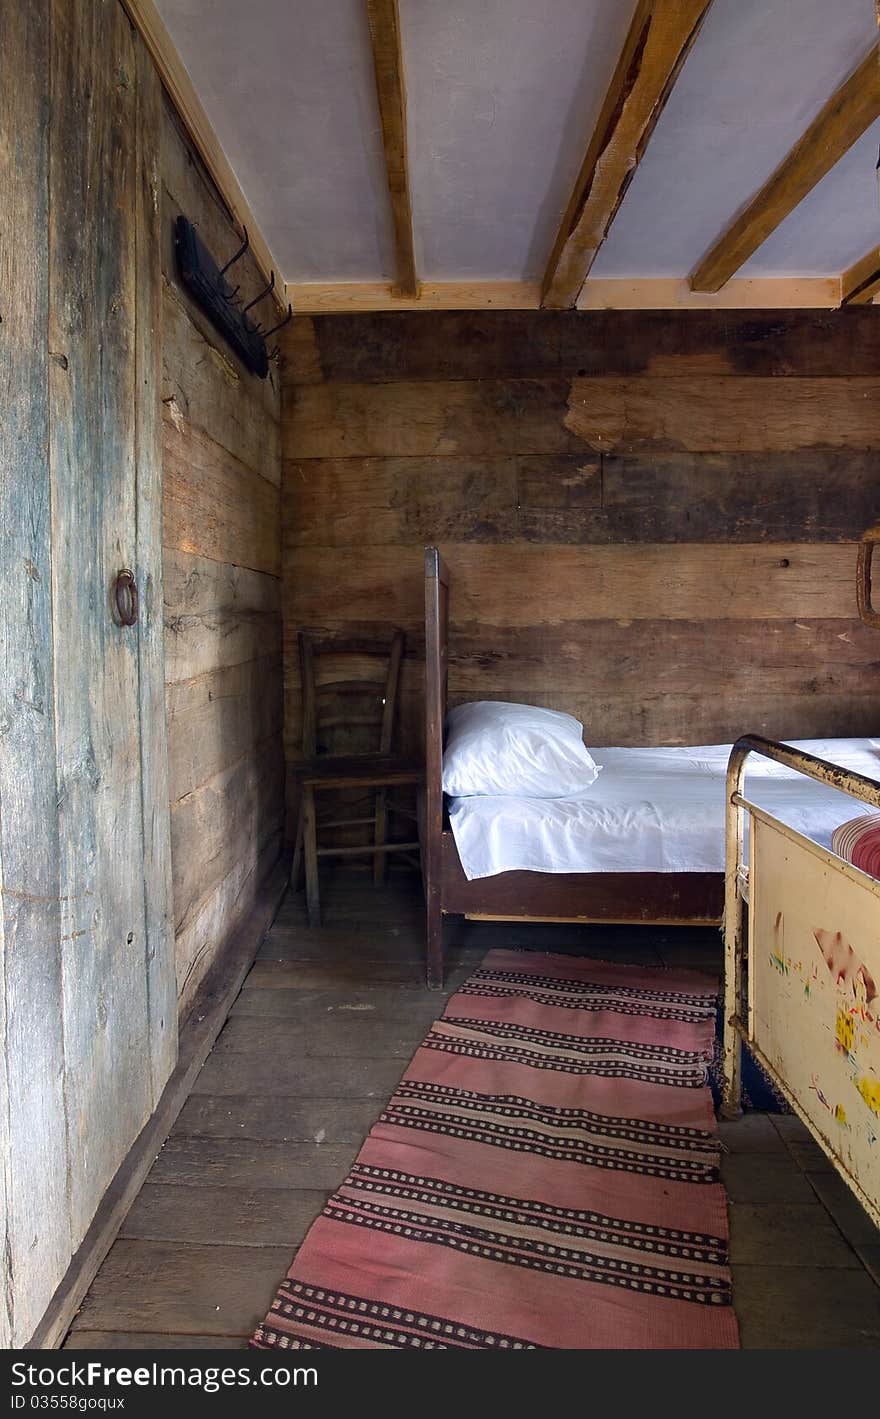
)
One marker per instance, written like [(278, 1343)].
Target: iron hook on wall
[(263, 294), (206, 282), (237, 255), (281, 324)]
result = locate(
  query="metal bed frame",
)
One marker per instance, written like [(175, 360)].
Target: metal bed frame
[(802, 934)]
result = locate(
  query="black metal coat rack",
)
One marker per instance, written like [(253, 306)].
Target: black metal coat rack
[(207, 284)]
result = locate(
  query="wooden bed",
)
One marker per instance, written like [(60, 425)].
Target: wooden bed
[(667, 898), (802, 1015)]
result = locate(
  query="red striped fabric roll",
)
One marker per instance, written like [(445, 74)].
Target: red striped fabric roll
[(858, 842)]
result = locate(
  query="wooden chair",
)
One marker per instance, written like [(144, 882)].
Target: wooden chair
[(370, 707)]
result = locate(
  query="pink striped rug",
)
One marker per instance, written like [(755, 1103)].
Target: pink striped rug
[(546, 1174)]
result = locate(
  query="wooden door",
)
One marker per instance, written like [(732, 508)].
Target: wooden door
[(89, 997)]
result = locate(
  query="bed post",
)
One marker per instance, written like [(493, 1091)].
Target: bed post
[(731, 1103), (436, 620)]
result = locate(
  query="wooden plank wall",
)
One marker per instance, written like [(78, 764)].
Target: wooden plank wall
[(86, 963), (222, 471), (32, 1053), (649, 517), (120, 1043)]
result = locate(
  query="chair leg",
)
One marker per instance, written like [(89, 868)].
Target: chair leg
[(380, 859), (296, 867), (310, 845), (434, 973)]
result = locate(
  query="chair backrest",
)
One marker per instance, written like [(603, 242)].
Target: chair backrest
[(346, 710)]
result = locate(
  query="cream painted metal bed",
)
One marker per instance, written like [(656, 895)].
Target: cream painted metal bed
[(802, 970)]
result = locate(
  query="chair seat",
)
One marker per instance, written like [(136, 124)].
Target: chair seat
[(358, 770)]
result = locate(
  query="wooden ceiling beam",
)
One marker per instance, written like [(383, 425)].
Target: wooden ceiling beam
[(384, 22), (598, 293), (659, 40), (842, 120), (861, 283)]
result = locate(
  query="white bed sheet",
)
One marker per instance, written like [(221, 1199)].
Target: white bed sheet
[(652, 810)]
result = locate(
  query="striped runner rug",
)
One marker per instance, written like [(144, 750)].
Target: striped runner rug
[(546, 1174)]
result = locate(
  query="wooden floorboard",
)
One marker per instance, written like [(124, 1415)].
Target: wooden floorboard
[(222, 1216), (806, 1308), (335, 1036), (317, 1039), (247, 1162), (353, 948), (170, 1289), (772, 1233), (377, 1006), (301, 1077), (145, 1340), (285, 1118), (280, 974)]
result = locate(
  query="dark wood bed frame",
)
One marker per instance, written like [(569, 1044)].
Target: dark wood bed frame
[(667, 898)]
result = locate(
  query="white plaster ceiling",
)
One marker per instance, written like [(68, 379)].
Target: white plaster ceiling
[(502, 97), (835, 225), (757, 75), (288, 87)]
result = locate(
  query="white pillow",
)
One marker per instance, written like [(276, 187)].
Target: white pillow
[(498, 748)]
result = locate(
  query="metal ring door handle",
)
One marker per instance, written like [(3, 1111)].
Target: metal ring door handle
[(125, 593)]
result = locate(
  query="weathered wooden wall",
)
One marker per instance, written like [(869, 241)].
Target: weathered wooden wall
[(129, 437), (30, 923), (86, 947), (222, 472), (648, 517)]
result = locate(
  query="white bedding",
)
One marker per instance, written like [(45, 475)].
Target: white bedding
[(651, 810)]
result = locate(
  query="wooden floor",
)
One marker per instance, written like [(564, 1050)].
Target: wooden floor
[(318, 1037)]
